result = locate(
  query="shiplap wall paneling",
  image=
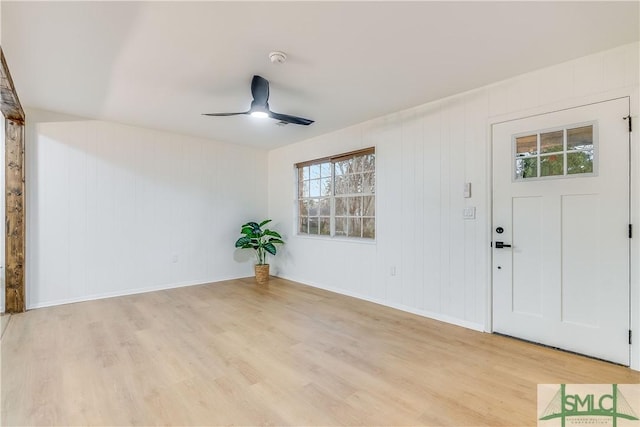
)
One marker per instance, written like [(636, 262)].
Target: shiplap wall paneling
[(430, 220), (119, 209), (409, 263), (389, 226), (476, 234), (424, 157)]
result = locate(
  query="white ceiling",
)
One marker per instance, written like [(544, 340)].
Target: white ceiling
[(161, 64)]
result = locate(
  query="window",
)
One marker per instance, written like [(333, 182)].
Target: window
[(336, 195), (558, 153)]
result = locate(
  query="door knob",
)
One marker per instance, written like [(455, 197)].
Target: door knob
[(500, 245)]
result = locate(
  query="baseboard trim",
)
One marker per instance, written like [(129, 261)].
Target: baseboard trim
[(424, 313), (126, 292)]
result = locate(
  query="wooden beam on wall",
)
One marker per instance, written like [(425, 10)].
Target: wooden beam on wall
[(15, 221), (15, 217), (10, 104)]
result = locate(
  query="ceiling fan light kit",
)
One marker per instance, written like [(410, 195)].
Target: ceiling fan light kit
[(260, 105)]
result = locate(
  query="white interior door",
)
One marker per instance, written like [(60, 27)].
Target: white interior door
[(561, 200)]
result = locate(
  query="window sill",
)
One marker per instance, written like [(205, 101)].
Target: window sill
[(356, 240)]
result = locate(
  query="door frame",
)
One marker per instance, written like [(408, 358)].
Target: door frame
[(634, 199)]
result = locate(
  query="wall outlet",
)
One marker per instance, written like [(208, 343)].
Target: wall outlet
[(469, 213), (392, 270), (175, 258)]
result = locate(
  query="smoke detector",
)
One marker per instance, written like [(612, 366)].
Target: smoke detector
[(277, 57)]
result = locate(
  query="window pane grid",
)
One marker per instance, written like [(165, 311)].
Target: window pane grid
[(337, 197)]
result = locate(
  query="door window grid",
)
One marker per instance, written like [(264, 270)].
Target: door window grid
[(556, 153), (336, 196)]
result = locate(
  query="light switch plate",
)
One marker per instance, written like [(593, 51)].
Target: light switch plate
[(467, 190)]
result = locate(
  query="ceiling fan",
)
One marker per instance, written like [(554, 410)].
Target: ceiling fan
[(260, 105)]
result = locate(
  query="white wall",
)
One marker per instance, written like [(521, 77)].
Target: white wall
[(114, 209), (424, 156)]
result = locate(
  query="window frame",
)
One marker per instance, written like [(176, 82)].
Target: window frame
[(332, 197)]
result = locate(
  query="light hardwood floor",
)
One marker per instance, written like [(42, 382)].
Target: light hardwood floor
[(235, 353)]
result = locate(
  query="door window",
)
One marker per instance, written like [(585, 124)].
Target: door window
[(556, 153)]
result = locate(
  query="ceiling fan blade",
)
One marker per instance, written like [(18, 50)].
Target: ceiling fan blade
[(224, 114), (291, 119), (260, 90), (260, 104)]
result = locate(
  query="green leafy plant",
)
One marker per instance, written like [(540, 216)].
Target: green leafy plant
[(261, 240)]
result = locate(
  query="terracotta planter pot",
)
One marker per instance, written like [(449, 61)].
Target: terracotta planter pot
[(262, 274)]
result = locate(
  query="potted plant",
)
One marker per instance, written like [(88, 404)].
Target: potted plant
[(263, 241)]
